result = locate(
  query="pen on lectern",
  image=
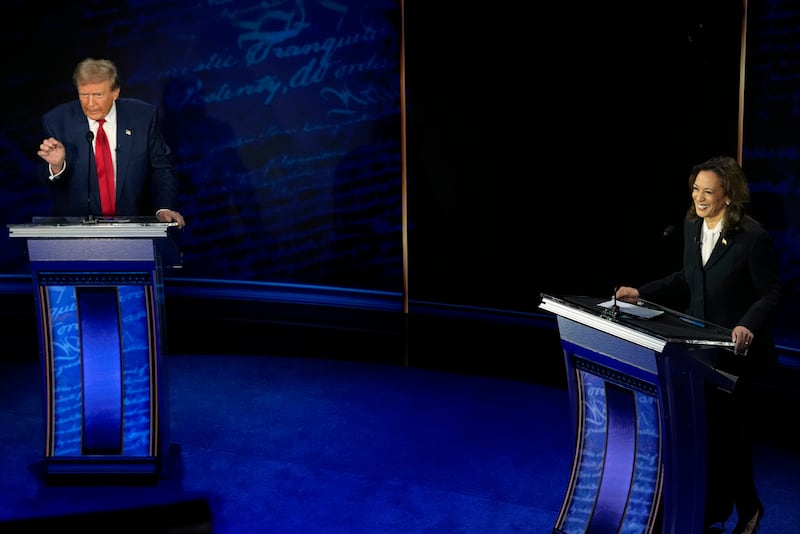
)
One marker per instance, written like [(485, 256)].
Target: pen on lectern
[(691, 321)]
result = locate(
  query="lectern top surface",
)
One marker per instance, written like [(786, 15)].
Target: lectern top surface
[(97, 221), (671, 325), (64, 227)]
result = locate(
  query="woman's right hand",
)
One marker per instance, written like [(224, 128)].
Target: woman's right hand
[(627, 294)]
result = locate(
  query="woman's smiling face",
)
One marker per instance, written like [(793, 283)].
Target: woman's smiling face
[(710, 199)]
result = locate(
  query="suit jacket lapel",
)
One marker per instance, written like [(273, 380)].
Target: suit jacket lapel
[(720, 249), (124, 140)]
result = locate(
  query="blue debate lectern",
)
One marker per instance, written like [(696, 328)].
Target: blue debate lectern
[(98, 291), (637, 377)]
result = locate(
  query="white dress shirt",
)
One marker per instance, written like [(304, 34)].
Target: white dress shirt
[(709, 239)]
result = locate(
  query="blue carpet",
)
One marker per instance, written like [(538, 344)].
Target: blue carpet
[(290, 445), (304, 445)]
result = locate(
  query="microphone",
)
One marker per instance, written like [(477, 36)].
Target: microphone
[(89, 216), (612, 312), (668, 231)]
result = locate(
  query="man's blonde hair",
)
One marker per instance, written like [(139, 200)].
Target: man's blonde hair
[(92, 70)]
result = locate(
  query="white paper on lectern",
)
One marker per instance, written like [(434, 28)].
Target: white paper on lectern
[(632, 309)]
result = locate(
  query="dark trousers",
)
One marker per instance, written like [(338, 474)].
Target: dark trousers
[(730, 478)]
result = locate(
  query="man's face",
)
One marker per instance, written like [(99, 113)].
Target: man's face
[(97, 98)]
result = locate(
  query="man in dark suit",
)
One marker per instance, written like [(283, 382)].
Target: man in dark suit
[(730, 278), (144, 183)]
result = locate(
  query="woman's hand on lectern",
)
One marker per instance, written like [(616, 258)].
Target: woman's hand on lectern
[(627, 294)]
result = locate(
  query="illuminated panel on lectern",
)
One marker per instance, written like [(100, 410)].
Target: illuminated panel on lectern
[(109, 316)]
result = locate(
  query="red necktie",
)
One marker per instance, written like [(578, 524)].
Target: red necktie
[(105, 170)]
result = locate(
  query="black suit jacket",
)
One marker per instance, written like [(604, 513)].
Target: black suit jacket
[(739, 285), (145, 179)]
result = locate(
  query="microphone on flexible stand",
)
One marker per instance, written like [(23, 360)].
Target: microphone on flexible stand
[(89, 216), (611, 312)]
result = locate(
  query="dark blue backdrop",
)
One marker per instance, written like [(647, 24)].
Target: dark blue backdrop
[(771, 148), (283, 117), (534, 163)]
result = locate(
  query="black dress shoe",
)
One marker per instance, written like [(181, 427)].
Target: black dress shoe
[(748, 522)]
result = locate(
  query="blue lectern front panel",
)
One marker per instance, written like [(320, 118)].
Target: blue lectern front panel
[(616, 481), (99, 301), (98, 358)]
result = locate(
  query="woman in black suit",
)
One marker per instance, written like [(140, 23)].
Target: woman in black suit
[(729, 277)]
